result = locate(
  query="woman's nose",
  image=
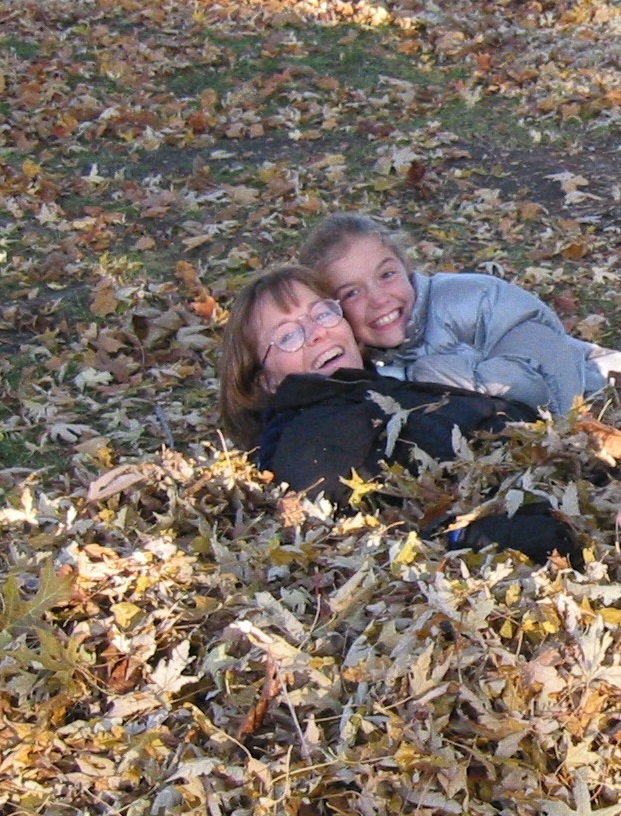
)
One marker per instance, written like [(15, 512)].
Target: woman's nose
[(313, 331)]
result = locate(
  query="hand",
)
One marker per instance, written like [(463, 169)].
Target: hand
[(532, 530)]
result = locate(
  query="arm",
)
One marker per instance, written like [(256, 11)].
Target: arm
[(323, 442), (533, 530), (494, 337), (512, 378)]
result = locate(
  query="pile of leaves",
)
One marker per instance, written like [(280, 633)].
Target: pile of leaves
[(177, 633), (179, 636)]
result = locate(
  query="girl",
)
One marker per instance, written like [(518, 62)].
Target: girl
[(466, 330)]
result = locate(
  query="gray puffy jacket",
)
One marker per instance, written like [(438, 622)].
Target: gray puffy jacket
[(479, 332)]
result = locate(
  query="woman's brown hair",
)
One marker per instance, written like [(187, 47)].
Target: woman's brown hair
[(243, 395)]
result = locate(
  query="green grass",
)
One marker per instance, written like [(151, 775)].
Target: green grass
[(24, 49), (15, 452)]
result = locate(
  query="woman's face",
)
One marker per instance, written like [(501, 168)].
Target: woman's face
[(324, 350)]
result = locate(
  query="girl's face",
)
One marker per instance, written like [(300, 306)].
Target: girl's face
[(372, 285), (327, 340)]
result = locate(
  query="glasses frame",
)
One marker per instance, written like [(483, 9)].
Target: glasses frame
[(338, 314)]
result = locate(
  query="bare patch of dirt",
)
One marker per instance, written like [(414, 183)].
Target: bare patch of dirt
[(534, 174)]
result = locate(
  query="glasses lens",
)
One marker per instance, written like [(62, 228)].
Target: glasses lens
[(326, 312), (290, 337)]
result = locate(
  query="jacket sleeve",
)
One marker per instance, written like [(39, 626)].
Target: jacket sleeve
[(511, 377), (533, 530), (349, 430), (496, 338)]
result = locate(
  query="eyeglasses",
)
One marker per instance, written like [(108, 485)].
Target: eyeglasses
[(291, 335)]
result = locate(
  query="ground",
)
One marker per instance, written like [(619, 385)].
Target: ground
[(177, 633)]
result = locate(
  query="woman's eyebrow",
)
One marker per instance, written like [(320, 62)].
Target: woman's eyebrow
[(298, 317)]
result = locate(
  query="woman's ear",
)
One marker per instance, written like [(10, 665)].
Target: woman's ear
[(264, 382)]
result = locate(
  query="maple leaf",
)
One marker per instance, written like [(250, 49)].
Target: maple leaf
[(582, 799), (20, 613), (168, 675), (360, 488)]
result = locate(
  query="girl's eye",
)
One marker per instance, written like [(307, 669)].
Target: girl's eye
[(350, 294), (389, 273)]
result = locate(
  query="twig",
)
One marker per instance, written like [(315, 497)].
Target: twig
[(161, 418), (294, 717)]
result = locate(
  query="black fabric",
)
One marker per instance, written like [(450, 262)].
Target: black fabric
[(533, 530), (319, 428)]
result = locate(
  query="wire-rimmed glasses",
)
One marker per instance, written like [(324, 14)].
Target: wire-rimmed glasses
[(291, 335)]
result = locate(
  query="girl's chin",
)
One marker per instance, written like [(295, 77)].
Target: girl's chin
[(387, 339)]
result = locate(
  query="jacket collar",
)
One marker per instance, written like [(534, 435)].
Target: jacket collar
[(302, 390)]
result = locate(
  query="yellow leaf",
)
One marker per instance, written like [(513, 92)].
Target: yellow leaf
[(125, 614), (513, 593), (359, 488), (406, 552), (21, 614), (406, 756), (542, 620), (506, 630), (30, 168), (385, 183), (611, 616)]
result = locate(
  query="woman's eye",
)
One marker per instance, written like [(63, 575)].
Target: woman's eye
[(350, 294), (389, 273), (286, 339)]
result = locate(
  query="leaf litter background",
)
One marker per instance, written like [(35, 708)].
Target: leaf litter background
[(177, 635)]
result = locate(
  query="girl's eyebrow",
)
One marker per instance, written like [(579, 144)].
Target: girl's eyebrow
[(389, 259), (349, 283)]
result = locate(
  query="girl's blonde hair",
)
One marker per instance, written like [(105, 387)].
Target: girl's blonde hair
[(332, 237), (243, 395)]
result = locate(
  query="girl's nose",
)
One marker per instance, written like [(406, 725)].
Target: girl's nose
[(376, 295)]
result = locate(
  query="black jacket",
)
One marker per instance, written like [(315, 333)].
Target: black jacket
[(318, 428)]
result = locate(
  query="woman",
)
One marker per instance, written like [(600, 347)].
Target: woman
[(294, 385)]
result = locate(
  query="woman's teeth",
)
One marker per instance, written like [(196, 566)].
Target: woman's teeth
[(327, 356)]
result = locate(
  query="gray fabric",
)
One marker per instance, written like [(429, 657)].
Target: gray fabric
[(479, 332)]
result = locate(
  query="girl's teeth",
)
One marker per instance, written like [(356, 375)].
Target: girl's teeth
[(383, 321)]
